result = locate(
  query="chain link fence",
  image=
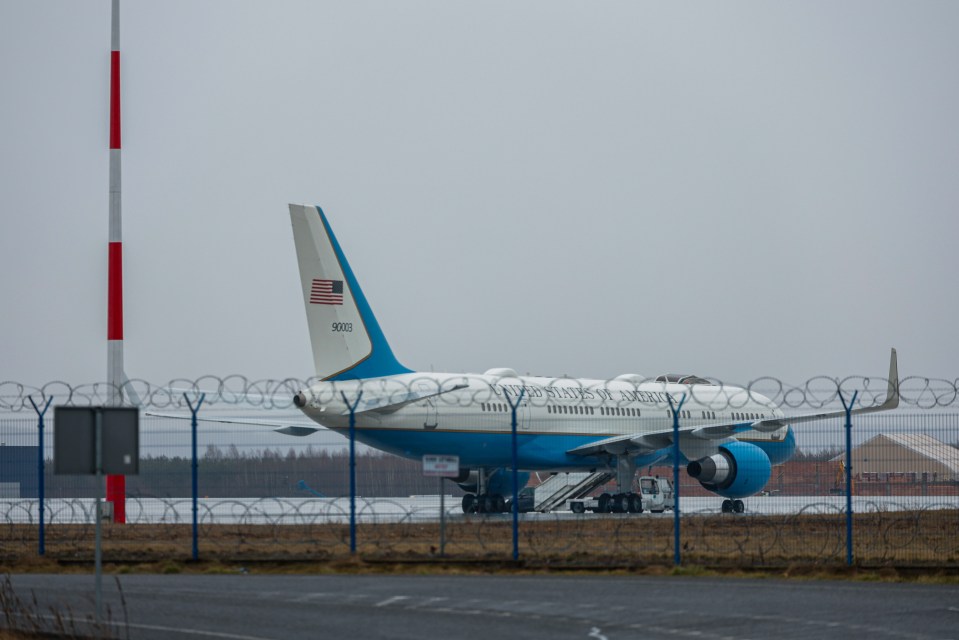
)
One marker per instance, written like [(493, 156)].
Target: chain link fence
[(263, 494)]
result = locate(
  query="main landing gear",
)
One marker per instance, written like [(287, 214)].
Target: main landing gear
[(733, 506), (484, 503), (620, 503)]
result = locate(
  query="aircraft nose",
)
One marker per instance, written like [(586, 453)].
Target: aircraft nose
[(300, 400)]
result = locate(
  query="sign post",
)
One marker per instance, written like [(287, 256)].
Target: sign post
[(441, 467), (96, 441)]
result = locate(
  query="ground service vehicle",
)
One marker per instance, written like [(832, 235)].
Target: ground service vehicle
[(655, 494)]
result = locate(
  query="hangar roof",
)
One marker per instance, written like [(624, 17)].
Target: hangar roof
[(927, 446)]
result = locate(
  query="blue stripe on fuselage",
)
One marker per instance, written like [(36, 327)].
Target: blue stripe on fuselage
[(535, 451)]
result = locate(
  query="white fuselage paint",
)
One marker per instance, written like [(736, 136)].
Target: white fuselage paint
[(549, 406)]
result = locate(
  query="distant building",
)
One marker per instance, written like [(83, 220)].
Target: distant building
[(18, 472), (905, 457)]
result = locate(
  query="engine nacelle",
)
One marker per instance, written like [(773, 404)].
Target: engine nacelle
[(739, 470), (499, 482)]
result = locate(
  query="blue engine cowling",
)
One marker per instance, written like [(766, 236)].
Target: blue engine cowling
[(739, 470)]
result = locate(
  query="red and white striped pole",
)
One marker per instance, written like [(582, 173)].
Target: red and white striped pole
[(116, 485)]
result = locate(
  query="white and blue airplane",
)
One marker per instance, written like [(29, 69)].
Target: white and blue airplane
[(729, 437)]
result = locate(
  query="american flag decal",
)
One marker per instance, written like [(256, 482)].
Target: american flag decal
[(326, 292)]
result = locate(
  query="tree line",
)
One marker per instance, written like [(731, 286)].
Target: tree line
[(231, 473)]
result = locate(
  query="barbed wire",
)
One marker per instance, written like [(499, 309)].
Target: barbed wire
[(901, 532), (817, 393)]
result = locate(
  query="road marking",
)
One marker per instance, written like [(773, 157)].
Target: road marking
[(155, 627), (390, 601), (306, 597), (428, 603), (195, 632), (595, 633)]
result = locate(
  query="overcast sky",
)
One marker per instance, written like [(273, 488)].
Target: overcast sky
[(735, 189)]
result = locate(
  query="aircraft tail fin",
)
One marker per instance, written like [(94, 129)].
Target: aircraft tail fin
[(347, 341)]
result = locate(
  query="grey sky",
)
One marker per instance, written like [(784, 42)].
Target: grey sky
[(735, 189)]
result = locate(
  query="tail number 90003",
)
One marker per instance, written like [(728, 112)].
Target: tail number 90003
[(343, 327)]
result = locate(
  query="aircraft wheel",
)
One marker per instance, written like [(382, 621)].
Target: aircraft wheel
[(604, 503), (577, 507), (469, 503), (499, 502), (635, 503), (488, 504), (738, 506), (727, 506), (620, 503)]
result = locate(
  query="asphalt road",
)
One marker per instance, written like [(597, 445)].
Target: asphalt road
[(255, 607)]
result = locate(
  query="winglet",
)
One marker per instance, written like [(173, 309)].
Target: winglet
[(892, 391)]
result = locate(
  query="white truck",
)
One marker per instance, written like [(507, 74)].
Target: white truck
[(655, 494)]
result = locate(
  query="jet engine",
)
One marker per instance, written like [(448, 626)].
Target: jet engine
[(738, 470)]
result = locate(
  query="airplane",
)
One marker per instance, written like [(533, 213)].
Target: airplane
[(729, 437)]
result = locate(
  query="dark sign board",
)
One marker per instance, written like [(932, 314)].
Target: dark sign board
[(74, 440)]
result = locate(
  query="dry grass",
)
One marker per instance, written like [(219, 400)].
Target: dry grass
[(927, 539), (22, 616)]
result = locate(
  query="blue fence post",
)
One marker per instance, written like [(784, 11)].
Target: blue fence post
[(515, 508), (352, 408), (677, 557), (848, 408), (194, 466), (42, 549)]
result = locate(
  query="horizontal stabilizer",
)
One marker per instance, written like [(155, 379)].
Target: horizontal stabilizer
[(393, 402), (280, 427)]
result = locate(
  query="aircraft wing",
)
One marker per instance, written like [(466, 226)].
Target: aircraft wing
[(639, 443), (654, 440)]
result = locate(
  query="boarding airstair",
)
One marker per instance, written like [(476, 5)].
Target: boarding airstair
[(557, 489)]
